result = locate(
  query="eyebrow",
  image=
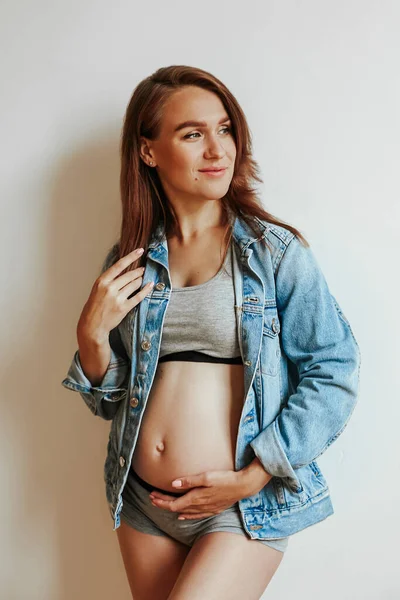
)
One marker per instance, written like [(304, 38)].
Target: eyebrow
[(198, 123)]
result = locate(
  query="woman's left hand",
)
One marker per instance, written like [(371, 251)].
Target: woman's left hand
[(214, 491)]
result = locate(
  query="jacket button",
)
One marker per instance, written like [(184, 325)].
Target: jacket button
[(160, 286), (275, 327), (121, 461), (134, 402), (146, 345)]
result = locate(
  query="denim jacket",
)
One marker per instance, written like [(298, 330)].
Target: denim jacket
[(301, 375)]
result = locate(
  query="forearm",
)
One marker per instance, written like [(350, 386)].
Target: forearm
[(253, 478), (94, 357)]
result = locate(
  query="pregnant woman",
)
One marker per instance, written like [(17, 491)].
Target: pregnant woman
[(212, 342)]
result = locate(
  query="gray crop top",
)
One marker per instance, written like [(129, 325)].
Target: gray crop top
[(200, 322)]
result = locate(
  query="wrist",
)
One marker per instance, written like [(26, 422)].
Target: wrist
[(96, 339), (253, 477)]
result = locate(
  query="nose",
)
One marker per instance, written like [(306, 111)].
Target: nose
[(214, 148)]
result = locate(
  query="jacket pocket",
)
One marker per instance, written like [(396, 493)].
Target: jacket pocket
[(318, 476), (312, 482), (111, 463), (286, 493), (270, 346)]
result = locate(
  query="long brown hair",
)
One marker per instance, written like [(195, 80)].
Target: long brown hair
[(144, 202)]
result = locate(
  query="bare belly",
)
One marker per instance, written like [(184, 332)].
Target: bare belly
[(191, 421)]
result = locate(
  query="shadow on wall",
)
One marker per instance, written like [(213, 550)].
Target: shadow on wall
[(62, 509)]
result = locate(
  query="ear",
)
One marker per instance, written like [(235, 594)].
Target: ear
[(145, 151)]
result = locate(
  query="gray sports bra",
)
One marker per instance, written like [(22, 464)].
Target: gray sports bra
[(200, 322)]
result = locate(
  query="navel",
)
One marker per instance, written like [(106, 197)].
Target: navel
[(160, 446)]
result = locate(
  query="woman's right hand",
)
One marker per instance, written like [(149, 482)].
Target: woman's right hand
[(108, 301)]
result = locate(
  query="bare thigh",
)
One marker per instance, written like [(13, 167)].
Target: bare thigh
[(223, 565), (152, 562)]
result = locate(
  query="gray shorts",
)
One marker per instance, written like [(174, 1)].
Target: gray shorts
[(138, 512)]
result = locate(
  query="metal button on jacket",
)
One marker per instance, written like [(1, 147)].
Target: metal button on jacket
[(146, 345), (121, 461), (134, 402), (275, 326), (160, 286)]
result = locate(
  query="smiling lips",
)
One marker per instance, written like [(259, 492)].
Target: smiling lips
[(212, 169), (214, 172)]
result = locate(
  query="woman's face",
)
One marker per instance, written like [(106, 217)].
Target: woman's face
[(183, 149)]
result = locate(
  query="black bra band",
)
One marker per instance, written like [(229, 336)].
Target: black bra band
[(194, 356)]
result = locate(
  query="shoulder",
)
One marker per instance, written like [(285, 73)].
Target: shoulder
[(278, 239), (289, 254), (278, 235)]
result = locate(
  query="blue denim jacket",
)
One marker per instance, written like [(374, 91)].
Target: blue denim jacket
[(301, 375)]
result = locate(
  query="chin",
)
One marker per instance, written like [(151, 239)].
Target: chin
[(214, 188), (212, 195)]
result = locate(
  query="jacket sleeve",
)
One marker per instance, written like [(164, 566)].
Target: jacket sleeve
[(318, 339), (103, 400)]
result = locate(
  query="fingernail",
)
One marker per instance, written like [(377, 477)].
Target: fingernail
[(177, 483), (140, 250), (181, 518)]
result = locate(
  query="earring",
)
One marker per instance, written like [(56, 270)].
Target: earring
[(151, 163)]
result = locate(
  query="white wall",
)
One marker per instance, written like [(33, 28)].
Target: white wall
[(319, 83)]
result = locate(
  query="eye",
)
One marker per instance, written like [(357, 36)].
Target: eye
[(228, 129), (188, 136)]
